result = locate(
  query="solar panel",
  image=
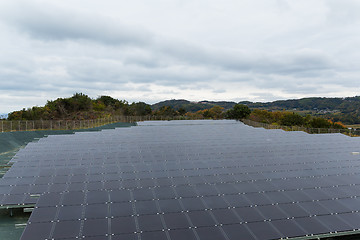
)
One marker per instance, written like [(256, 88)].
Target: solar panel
[(186, 179)]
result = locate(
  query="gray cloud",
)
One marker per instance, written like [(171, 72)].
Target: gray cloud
[(58, 25), (343, 12), (286, 50), (51, 23), (219, 91)]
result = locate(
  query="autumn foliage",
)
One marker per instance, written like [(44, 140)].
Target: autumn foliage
[(292, 119)]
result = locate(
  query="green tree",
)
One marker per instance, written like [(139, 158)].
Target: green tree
[(239, 111), (318, 122), (107, 100), (182, 111), (139, 109), (78, 102), (292, 119)]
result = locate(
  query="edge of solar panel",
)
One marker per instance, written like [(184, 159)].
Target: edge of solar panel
[(328, 235)]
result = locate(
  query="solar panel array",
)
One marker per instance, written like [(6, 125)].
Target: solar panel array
[(176, 180)]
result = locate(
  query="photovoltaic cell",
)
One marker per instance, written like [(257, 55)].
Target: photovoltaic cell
[(179, 234), (66, 229), (35, 231), (95, 227), (123, 225), (186, 180)]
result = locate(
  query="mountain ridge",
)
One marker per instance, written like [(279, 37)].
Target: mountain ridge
[(344, 109), (310, 103)]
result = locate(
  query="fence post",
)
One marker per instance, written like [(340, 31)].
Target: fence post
[(2, 126)]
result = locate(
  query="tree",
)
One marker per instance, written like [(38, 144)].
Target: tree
[(78, 102), (318, 122), (263, 116), (107, 100), (166, 111), (182, 111), (239, 111), (139, 109), (292, 119), (216, 112)]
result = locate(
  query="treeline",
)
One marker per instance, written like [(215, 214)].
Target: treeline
[(346, 110), (347, 118), (292, 119), (81, 106)]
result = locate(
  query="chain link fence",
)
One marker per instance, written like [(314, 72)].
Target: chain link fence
[(35, 125), (350, 132), (12, 126)]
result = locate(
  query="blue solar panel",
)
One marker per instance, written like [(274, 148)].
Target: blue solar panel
[(186, 180)]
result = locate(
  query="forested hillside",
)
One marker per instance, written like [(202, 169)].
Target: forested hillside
[(343, 104), (346, 110), (80, 106), (192, 106)]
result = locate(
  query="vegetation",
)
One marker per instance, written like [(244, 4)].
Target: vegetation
[(81, 106), (239, 111), (309, 112), (346, 110), (292, 119), (192, 106)]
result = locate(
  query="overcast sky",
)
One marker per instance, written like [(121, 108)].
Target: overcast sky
[(153, 50)]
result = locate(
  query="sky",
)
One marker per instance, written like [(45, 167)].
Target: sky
[(154, 50)]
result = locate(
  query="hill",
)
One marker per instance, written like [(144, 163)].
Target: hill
[(315, 103), (192, 106), (346, 110)]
